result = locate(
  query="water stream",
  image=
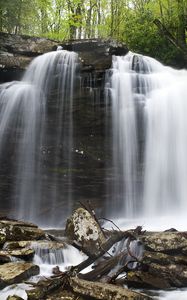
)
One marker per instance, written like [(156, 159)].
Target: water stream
[(25, 134), (149, 143)]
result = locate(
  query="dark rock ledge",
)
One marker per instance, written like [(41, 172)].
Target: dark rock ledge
[(17, 51)]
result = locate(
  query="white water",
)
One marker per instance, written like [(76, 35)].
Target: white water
[(24, 122), (149, 107)]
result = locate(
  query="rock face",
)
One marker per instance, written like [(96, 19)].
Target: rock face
[(17, 51), (82, 228), (88, 166)]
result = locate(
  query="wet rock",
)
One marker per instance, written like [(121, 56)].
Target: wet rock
[(17, 51), (166, 242), (14, 297), (25, 45), (16, 272), (64, 295), (24, 253), (162, 259), (83, 228), (2, 236), (42, 244), (44, 287), (17, 223), (138, 279), (104, 291), (16, 245), (15, 231), (159, 277)]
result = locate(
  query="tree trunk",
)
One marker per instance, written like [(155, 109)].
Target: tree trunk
[(176, 43)]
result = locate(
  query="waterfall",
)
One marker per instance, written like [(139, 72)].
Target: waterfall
[(149, 139), (25, 134)]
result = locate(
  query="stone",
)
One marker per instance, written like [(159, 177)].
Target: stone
[(24, 253), (16, 245), (14, 297), (82, 228), (159, 277), (42, 244), (165, 242), (63, 295), (11, 273), (104, 291), (163, 259), (2, 236), (16, 232)]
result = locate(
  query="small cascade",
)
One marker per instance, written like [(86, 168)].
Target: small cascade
[(27, 136), (149, 140), (44, 254)]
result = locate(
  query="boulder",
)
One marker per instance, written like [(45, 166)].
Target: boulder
[(83, 228), (158, 276), (16, 272), (165, 242), (16, 231)]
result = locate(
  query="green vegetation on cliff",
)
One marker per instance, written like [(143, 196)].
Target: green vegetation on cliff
[(152, 27)]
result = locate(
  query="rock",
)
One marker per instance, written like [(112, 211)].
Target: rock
[(24, 253), (44, 287), (83, 228), (25, 45), (14, 297), (159, 277), (42, 244), (165, 242), (17, 51), (17, 223), (138, 279), (14, 231), (104, 291), (162, 259), (2, 237), (63, 295), (16, 245), (16, 272)]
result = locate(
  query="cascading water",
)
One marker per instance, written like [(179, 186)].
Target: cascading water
[(25, 129), (149, 137)]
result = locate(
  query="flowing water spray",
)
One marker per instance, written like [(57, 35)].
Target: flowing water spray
[(25, 124), (149, 108)]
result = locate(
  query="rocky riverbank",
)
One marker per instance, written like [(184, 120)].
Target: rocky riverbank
[(134, 258)]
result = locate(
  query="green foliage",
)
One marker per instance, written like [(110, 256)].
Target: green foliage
[(130, 21)]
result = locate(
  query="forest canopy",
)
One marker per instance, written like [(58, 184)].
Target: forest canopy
[(153, 27)]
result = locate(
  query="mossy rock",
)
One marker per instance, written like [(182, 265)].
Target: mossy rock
[(12, 273), (83, 228)]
